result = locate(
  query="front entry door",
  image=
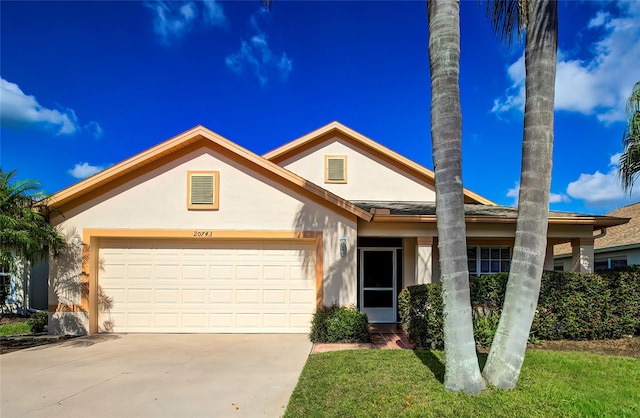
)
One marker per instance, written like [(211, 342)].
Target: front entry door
[(378, 284)]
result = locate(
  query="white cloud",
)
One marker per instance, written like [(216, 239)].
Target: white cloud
[(602, 189), (514, 193), (213, 14), (94, 129), (558, 197), (255, 56), (83, 170), (599, 19), (173, 20), (20, 109), (598, 86)]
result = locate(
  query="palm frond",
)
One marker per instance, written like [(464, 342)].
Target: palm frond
[(508, 19), (629, 163)]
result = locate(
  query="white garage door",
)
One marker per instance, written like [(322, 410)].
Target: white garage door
[(206, 286)]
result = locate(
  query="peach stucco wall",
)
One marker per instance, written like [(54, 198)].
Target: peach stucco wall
[(248, 201), (368, 178)]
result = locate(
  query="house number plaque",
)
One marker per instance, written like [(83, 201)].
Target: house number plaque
[(203, 234)]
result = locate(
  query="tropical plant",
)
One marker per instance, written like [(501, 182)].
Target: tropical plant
[(462, 372), (25, 233), (505, 359), (629, 164)]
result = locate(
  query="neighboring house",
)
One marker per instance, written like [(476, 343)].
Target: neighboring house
[(198, 234), (24, 290), (614, 247)]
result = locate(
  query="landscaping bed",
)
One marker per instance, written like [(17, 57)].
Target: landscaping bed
[(629, 347), (16, 333)]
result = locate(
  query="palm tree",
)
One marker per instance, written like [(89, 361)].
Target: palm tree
[(541, 44), (629, 165), (25, 233), (462, 372)]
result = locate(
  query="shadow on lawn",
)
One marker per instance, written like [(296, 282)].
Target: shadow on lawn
[(433, 362)]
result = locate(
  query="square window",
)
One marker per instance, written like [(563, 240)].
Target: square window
[(471, 252)]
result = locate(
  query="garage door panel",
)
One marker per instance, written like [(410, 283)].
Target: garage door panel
[(275, 296), (194, 272), (196, 286), (248, 272), (140, 320), (167, 296), (301, 296), (278, 272), (194, 296), (276, 320), (194, 320), (167, 320), (300, 320), (221, 296), (247, 296), (221, 272)]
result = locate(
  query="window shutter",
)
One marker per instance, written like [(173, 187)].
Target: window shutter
[(335, 169), (202, 189)]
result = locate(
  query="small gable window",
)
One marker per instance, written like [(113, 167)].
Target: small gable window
[(335, 169), (202, 190)]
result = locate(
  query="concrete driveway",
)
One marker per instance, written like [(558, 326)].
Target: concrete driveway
[(154, 375)]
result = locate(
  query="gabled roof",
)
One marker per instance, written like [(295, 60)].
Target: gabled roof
[(185, 142), (426, 212), (620, 237), (334, 129)]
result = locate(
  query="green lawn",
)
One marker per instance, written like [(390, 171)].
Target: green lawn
[(392, 383), (17, 328)]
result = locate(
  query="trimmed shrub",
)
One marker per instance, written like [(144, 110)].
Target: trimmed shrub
[(487, 292), (598, 306), (421, 315), (38, 321), (571, 306), (339, 324)]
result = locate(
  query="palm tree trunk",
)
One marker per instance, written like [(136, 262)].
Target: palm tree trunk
[(462, 372), (507, 351)]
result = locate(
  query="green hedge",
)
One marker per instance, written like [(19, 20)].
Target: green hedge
[(339, 324), (420, 309), (571, 306)]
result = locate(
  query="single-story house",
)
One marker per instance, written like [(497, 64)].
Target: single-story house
[(615, 247), (198, 234)]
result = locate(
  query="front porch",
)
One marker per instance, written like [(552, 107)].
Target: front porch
[(383, 336)]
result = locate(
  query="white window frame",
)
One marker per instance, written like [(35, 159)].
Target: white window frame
[(478, 260)]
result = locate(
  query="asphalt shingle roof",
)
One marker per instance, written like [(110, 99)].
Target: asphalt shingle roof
[(617, 236), (429, 208)]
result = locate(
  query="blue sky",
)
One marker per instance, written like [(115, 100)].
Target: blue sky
[(88, 84)]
